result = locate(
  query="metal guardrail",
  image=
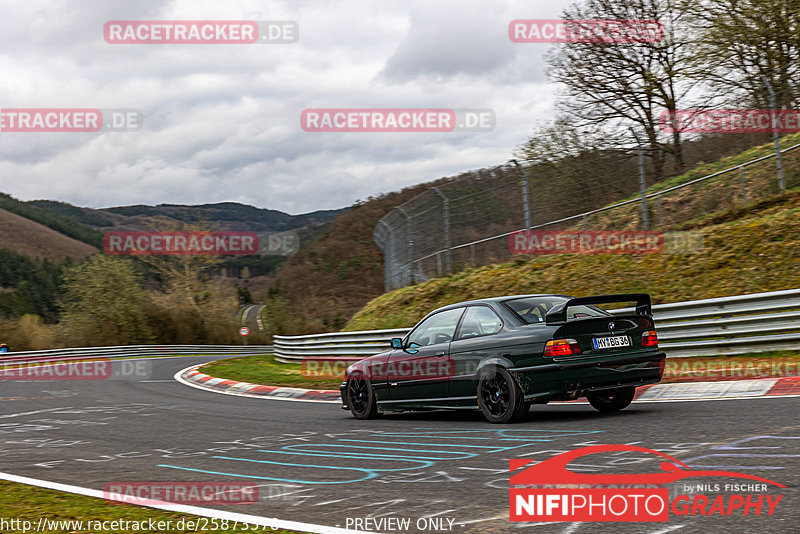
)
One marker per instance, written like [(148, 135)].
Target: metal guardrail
[(756, 322), (130, 351)]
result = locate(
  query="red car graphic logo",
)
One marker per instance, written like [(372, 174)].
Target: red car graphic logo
[(553, 471)]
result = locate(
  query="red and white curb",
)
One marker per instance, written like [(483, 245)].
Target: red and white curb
[(191, 376), (720, 390), (673, 392)]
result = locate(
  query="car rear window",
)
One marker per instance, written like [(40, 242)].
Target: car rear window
[(532, 310)]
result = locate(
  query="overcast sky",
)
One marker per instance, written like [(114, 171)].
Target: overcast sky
[(222, 122)]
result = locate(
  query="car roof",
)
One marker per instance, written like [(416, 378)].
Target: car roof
[(496, 299)]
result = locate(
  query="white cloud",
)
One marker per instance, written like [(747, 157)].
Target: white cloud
[(222, 122)]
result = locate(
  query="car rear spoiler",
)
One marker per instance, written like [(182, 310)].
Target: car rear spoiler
[(558, 313)]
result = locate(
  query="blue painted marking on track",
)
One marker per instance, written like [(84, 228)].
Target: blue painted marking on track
[(368, 475), (421, 463), (456, 455), (425, 464), (377, 451), (410, 443), (737, 446)]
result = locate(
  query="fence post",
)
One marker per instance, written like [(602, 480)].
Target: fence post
[(642, 184), (388, 255), (410, 245), (446, 212), (775, 136), (743, 183), (526, 211)]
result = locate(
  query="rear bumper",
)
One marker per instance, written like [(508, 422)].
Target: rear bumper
[(576, 378)]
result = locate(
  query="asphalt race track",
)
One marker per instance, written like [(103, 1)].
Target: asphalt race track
[(316, 464)]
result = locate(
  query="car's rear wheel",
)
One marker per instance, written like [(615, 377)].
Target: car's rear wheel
[(361, 398), (613, 400), (500, 397)]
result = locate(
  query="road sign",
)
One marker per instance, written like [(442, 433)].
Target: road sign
[(243, 331)]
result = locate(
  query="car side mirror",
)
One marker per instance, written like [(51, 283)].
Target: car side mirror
[(412, 348), (397, 343)]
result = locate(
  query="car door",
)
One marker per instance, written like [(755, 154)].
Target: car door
[(422, 372), (474, 342)]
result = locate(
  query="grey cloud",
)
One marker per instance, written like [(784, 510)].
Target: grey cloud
[(222, 122)]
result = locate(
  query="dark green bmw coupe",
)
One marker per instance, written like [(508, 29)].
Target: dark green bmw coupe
[(500, 355)]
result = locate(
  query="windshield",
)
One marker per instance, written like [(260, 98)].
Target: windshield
[(533, 309)]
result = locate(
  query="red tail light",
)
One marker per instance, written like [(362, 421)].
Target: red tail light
[(650, 339), (561, 347)]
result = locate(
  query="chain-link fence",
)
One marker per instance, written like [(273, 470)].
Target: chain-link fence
[(466, 221)]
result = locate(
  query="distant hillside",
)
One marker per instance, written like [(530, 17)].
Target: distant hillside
[(29, 238), (85, 216), (54, 217), (335, 275), (88, 225), (224, 215)]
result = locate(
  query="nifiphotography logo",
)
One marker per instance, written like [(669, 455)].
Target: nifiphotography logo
[(548, 491)]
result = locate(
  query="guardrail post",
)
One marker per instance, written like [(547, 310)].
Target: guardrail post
[(660, 211)]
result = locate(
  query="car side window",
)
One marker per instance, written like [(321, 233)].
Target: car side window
[(479, 321), (438, 328)]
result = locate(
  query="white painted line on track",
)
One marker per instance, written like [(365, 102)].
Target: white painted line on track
[(667, 529), (185, 509), (30, 413)]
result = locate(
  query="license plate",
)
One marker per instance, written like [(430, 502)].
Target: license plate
[(611, 342)]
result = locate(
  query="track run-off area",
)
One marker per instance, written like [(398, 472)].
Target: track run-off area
[(320, 469)]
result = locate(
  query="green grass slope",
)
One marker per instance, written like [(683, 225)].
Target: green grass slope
[(757, 251)]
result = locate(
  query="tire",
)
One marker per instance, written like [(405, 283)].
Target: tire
[(361, 398), (613, 400), (500, 397)]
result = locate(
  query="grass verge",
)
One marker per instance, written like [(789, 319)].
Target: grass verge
[(29, 503), (263, 369)]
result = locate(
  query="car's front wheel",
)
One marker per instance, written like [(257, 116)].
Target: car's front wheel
[(613, 400), (361, 398), (499, 397)]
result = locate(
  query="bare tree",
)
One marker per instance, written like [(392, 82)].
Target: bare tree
[(619, 84), (742, 41)]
